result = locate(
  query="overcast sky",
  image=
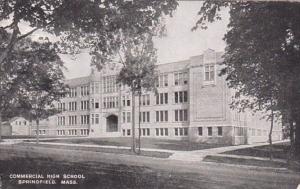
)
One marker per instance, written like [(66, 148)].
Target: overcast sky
[(179, 44)]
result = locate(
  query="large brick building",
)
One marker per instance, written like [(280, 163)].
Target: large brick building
[(192, 103)]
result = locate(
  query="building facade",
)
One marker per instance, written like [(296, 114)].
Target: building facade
[(192, 103)]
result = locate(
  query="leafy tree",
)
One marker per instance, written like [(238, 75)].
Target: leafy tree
[(92, 24), (262, 55), (37, 80), (138, 58), (43, 82), (80, 24)]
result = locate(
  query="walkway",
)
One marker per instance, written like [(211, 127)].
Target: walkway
[(187, 156), (201, 154)]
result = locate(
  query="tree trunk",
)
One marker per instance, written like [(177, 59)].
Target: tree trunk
[(270, 135), (139, 122), (37, 131), (297, 138), (292, 133), (11, 44), (0, 127), (133, 122)]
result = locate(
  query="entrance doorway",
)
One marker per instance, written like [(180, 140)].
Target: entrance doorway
[(112, 123)]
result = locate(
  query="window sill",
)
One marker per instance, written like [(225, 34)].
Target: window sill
[(209, 83)]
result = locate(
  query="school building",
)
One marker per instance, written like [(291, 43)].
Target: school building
[(192, 104)]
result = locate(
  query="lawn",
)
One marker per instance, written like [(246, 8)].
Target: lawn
[(181, 145), (105, 150), (279, 150), (248, 162), (97, 175)]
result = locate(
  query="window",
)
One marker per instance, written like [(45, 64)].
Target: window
[(96, 118), (181, 131), (148, 132), (185, 131), (110, 102), (73, 92), (209, 73), (84, 90), (125, 101), (124, 117), (128, 132), (162, 98), (128, 117), (145, 100), (145, 132), (84, 119), (162, 80), (145, 117), (180, 78), (181, 115), (61, 106), (94, 88), (200, 131), (72, 106), (220, 131), (162, 116), (84, 105), (61, 120), (124, 132), (181, 96), (72, 120), (253, 132), (93, 119), (209, 131), (239, 131), (110, 84), (161, 132)]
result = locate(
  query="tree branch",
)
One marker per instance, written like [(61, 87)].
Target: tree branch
[(27, 34)]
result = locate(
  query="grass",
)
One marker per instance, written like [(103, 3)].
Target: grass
[(97, 175), (181, 145), (249, 162), (104, 150), (279, 151)]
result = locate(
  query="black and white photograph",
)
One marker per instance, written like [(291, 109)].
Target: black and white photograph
[(149, 94)]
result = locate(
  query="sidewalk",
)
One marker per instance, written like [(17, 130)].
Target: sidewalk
[(199, 155), (188, 156)]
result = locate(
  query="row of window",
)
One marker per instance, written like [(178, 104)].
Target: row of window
[(41, 132), (110, 84), (180, 78), (180, 131), (113, 101), (210, 131), (73, 132), (20, 122), (161, 116)]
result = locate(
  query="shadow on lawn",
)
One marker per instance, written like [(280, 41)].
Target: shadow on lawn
[(97, 175), (279, 151)]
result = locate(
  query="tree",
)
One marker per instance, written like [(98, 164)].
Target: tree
[(138, 58), (79, 24), (43, 85), (262, 55), (42, 81)]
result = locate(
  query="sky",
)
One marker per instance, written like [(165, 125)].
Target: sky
[(179, 44)]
